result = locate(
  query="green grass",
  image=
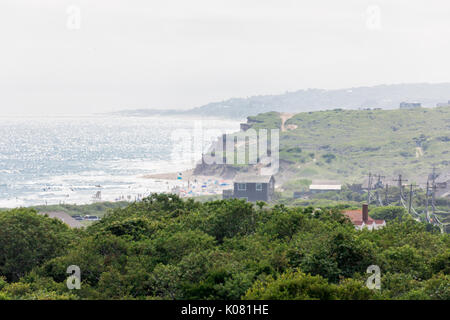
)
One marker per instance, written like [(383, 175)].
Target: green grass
[(347, 144)]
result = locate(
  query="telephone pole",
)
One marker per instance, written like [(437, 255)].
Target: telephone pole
[(369, 186), (410, 198), (400, 186), (386, 195), (433, 188), (378, 186), (433, 199), (426, 200)]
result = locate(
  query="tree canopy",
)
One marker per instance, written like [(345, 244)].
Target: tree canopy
[(167, 248)]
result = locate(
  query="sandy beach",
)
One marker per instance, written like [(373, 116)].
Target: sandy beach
[(191, 185), (186, 175)]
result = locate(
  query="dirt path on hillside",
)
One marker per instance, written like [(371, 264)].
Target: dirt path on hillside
[(419, 152), (285, 117)]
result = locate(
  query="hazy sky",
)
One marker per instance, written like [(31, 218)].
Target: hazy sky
[(122, 54)]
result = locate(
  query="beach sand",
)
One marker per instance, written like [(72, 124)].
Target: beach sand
[(194, 185), (186, 175)]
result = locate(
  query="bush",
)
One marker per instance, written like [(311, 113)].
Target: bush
[(388, 213), (27, 240)]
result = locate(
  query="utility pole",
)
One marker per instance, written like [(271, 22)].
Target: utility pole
[(379, 185), (410, 198), (433, 186), (433, 199), (400, 186), (369, 186), (386, 195), (426, 200)]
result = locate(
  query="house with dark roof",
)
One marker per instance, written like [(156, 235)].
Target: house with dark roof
[(252, 188), (361, 219)]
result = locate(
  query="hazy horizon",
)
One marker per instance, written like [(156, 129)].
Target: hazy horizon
[(78, 57)]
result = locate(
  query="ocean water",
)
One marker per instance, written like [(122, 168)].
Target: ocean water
[(56, 160)]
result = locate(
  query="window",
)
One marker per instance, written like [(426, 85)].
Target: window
[(259, 187), (242, 186)]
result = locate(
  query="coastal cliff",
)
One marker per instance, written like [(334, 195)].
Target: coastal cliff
[(270, 120)]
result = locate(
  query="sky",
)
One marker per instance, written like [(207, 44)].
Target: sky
[(83, 56)]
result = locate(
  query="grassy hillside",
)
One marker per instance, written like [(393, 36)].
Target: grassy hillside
[(347, 144)]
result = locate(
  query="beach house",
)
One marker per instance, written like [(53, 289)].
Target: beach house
[(252, 188)]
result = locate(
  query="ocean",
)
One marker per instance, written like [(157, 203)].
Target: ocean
[(70, 159)]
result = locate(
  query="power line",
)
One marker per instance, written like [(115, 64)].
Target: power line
[(432, 186)]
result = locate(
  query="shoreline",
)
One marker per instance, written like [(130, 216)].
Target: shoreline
[(193, 185), (185, 174)]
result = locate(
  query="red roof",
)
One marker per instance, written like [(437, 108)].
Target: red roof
[(356, 217)]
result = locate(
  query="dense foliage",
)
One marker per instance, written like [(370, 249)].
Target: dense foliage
[(28, 240), (167, 248)]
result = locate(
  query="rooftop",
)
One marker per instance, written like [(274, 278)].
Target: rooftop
[(252, 179), (325, 187), (326, 182), (356, 217)]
